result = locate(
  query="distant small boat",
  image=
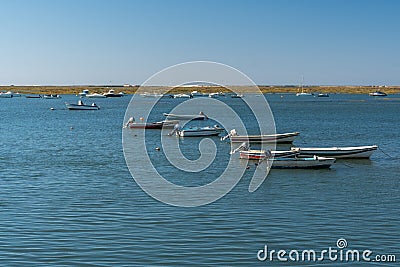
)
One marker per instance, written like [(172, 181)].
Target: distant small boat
[(196, 93), (182, 96), (267, 138), (339, 152), (302, 90), (152, 125), (200, 116), (323, 95), (82, 106), (199, 131), (236, 96), (378, 93), (95, 95), (51, 96), (9, 94), (33, 96), (155, 95), (84, 93), (111, 93), (214, 95), (304, 94)]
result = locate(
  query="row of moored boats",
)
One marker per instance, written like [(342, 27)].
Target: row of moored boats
[(296, 157)]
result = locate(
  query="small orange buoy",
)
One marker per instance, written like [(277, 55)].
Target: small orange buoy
[(141, 118)]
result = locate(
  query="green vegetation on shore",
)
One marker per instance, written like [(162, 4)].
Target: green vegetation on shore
[(203, 89)]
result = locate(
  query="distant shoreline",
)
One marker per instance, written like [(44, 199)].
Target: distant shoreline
[(202, 89)]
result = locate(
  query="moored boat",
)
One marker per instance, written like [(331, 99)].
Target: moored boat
[(82, 106), (339, 152), (183, 96), (150, 125), (267, 138), (33, 96), (95, 95), (323, 95), (314, 162), (111, 93), (378, 93), (84, 93), (8, 94), (200, 116), (51, 96), (199, 131)]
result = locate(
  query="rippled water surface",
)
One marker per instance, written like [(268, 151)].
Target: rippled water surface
[(67, 197)]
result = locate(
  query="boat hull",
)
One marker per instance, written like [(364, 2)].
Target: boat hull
[(339, 152), (81, 107), (287, 138), (185, 117), (153, 125), (302, 163)]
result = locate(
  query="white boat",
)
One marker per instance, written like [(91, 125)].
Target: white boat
[(155, 95), (182, 96), (214, 95), (199, 131), (82, 106), (339, 152), (262, 154), (323, 95), (111, 93), (302, 90), (236, 96), (196, 93), (9, 94), (95, 95), (266, 138), (378, 93), (200, 116), (84, 93), (51, 96), (314, 162)]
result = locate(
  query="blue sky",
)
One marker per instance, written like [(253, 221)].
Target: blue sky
[(273, 42)]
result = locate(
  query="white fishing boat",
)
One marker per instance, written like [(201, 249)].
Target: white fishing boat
[(236, 96), (214, 95), (267, 138), (323, 95), (95, 95), (196, 93), (262, 154), (199, 131), (339, 152), (111, 93), (200, 116), (51, 96), (152, 95), (82, 106), (378, 93), (182, 96), (8, 94), (283, 159), (84, 93)]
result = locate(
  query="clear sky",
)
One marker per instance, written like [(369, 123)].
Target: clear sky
[(273, 42)]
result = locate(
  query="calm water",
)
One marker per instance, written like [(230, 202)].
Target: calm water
[(67, 197)]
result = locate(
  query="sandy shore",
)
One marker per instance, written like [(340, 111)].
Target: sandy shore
[(202, 89)]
